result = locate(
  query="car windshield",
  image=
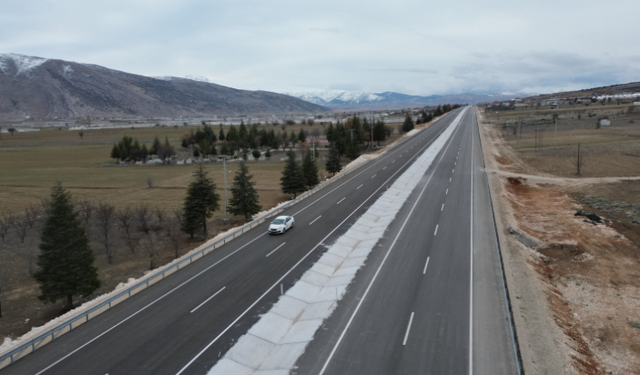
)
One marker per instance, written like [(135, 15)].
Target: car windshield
[(278, 221)]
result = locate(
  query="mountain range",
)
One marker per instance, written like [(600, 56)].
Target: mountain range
[(353, 100), (36, 87)]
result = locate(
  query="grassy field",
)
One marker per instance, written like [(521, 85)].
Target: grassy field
[(32, 162), (611, 151)]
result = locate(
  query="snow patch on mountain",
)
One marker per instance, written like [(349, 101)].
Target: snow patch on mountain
[(22, 63), (336, 96), (67, 69), (198, 78)]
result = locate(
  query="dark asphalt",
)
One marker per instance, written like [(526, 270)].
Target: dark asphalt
[(413, 321), (156, 333)]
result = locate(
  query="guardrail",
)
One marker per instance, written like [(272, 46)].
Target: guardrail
[(72, 323)]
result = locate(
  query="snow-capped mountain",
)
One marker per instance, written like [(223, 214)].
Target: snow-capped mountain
[(47, 88), (340, 99)]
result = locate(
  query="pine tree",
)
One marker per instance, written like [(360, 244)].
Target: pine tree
[(408, 125), (200, 202), (155, 146), (292, 181), (293, 138), (302, 137), (244, 196), (310, 170), (333, 164), (115, 152), (65, 261), (221, 135)]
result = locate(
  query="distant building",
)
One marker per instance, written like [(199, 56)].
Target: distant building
[(605, 122)]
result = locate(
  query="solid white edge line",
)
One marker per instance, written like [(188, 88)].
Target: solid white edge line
[(341, 200), (274, 250), (375, 275), (406, 335), (471, 271), (436, 232), (425, 266), (314, 220), (305, 257), (208, 299), (359, 186)]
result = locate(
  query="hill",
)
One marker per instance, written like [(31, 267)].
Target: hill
[(48, 88)]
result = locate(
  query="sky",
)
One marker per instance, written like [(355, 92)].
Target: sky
[(420, 47)]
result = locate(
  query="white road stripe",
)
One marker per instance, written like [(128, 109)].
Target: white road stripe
[(406, 335), (450, 179), (314, 220), (359, 186), (208, 299), (425, 266), (446, 192), (274, 250), (341, 200), (442, 208), (384, 168), (436, 232), (374, 175)]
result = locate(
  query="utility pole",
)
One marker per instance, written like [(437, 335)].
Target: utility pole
[(224, 169), (518, 137)]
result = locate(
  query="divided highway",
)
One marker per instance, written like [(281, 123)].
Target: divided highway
[(430, 299), (184, 323)]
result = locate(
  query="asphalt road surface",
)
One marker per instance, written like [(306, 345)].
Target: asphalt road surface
[(184, 323), (410, 310)]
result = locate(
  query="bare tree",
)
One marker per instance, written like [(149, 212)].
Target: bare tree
[(6, 222), (106, 219), (161, 215), (32, 215), (22, 228), (4, 287), (172, 227), (127, 222), (143, 218), (150, 248), (11, 130), (86, 209)]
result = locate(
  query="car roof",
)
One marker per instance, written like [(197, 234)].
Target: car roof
[(282, 217)]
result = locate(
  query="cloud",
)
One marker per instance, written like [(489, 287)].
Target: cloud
[(410, 46)]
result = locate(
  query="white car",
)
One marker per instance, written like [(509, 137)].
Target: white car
[(281, 224)]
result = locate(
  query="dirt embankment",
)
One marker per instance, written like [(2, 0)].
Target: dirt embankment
[(577, 293)]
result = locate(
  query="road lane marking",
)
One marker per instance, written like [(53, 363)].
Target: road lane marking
[(394, 160), (425, 266), (450, 179), (384, 168), (436, 232), (341, 200), (453, 170), (208, 299), (314, 220), (274, 250), (359, 186), (375, 275), (442, 208), (406, 335), (374, 175), (471, 270), (446, 192)]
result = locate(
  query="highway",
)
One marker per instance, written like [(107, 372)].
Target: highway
[(183, 324), (411, 310)]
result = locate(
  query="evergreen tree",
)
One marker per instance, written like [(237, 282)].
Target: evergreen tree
[(115, 153), (232, 134), (302, 137), (200, 202), (310, 170), (333, 164), (292, 180), (293, 138), (221, 136), (242, 133), (244, 196), (155, 146), (65, 261), (267, 154), (330, 133), (408, 125)]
